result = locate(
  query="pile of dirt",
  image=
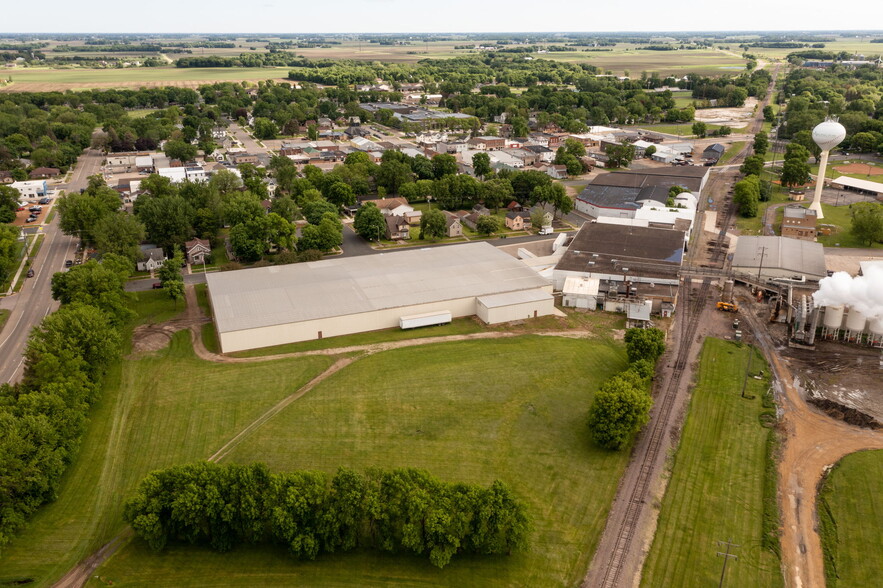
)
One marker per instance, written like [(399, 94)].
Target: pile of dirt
[(844, 413)]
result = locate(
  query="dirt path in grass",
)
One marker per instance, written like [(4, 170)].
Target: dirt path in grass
[(813, 442)]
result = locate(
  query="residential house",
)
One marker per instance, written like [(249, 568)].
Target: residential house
[(453, 226), (471, 219), (527, 156), (152, 260), (44, 172), (557, 172), (397, 228), (325, 124), (6, 177), (197, 251), (397, 206), (542, 152), (517, 221)]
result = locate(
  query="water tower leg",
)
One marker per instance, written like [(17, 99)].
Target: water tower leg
[(820, 182)]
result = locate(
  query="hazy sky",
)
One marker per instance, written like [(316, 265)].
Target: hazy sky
[(331, 16)]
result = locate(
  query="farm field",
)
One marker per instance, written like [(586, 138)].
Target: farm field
[(851, 520), (861, 45), (717, 491), (149, 417), (45, 79), (446, 408)]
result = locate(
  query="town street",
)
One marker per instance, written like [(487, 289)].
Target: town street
[(34, 300)]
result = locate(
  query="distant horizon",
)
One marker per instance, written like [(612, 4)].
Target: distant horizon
[(466, 16), (857, 32)]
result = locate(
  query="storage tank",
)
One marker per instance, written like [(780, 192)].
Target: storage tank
[(855, 321), (833, 317), (876, 326), (727, 295)]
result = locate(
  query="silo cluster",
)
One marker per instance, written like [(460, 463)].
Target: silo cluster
[(848, 324)]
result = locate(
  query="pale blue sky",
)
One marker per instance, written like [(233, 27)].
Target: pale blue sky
[(331, 16)]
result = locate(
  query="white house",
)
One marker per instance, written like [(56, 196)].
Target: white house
[(153, 260)]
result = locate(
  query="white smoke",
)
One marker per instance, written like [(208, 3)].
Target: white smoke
[(863, 293)]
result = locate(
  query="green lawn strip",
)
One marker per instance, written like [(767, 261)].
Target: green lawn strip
[(731, 152), (841, 218), (156, 411), (446, 408), (4, 316), (202, 299), (722, 485), (850, 508), (459, 326)]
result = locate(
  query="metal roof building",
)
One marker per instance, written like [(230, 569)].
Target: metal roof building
[(273, 305), (779, 257)]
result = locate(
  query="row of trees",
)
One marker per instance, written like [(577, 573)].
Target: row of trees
[(400, 510), (751, 190), (622, 404), (43, 417)]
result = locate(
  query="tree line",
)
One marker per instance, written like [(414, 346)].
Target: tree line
[(399, 511), (622, 404), (43, 418)]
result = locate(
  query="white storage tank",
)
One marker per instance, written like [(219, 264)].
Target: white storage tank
[(833, 317), (855, 321), (876, 326)]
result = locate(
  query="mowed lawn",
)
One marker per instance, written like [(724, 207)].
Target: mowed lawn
[(853, 498), (156, 411), (510, 409), (715, 492)]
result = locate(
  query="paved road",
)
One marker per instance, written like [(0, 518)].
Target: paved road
[(34, 300), (147, 283)]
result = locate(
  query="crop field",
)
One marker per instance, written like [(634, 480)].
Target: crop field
[(717, 487), (149, 417), (446, 408), (46, 79), (852, 45), (851, 520)]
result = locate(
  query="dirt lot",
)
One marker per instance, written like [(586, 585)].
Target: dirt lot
[(859, 168), (734, 117)]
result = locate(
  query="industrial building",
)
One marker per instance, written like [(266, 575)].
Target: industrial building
[(616, 267), (644, 195), (260, 307), (858, 185), (799, 223), (764, 259)]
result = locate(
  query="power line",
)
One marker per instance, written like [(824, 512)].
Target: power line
[(726, 555)]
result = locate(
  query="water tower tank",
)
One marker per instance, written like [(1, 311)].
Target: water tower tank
[(855, 321), (876, 326), (828, 134), (833, 317)]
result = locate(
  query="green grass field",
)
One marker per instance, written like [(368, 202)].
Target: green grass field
[(133, 76), (445, 408), (841, 218), (851, 520), (4, 316), (156, 411), (731, 152), (716, 489)]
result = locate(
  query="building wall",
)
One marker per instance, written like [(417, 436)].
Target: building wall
[(338, 325), (514, 312), (596, 211), (580, 301)]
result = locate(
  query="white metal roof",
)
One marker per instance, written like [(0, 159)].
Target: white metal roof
[(277, 295), (144, 161), (860, 184), (581, 286), (793, 255)]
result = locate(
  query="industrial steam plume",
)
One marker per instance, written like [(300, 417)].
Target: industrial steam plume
[(863, 293)]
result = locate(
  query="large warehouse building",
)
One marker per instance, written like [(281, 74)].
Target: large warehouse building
[(770, 258), (267, 306)]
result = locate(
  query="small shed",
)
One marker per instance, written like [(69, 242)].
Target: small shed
[(512, 306), (580, 292)]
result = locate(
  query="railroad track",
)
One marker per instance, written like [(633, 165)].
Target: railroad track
[(691, 309)]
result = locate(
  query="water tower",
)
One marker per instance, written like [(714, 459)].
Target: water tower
[(826, 135)]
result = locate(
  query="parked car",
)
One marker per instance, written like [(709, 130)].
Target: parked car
[(45, 200), (31, 273), (68, 263), (157, 285), (36, 209), (31, 219)]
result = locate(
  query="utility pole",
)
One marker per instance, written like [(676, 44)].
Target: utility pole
[(726, 555), (760, 268)]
